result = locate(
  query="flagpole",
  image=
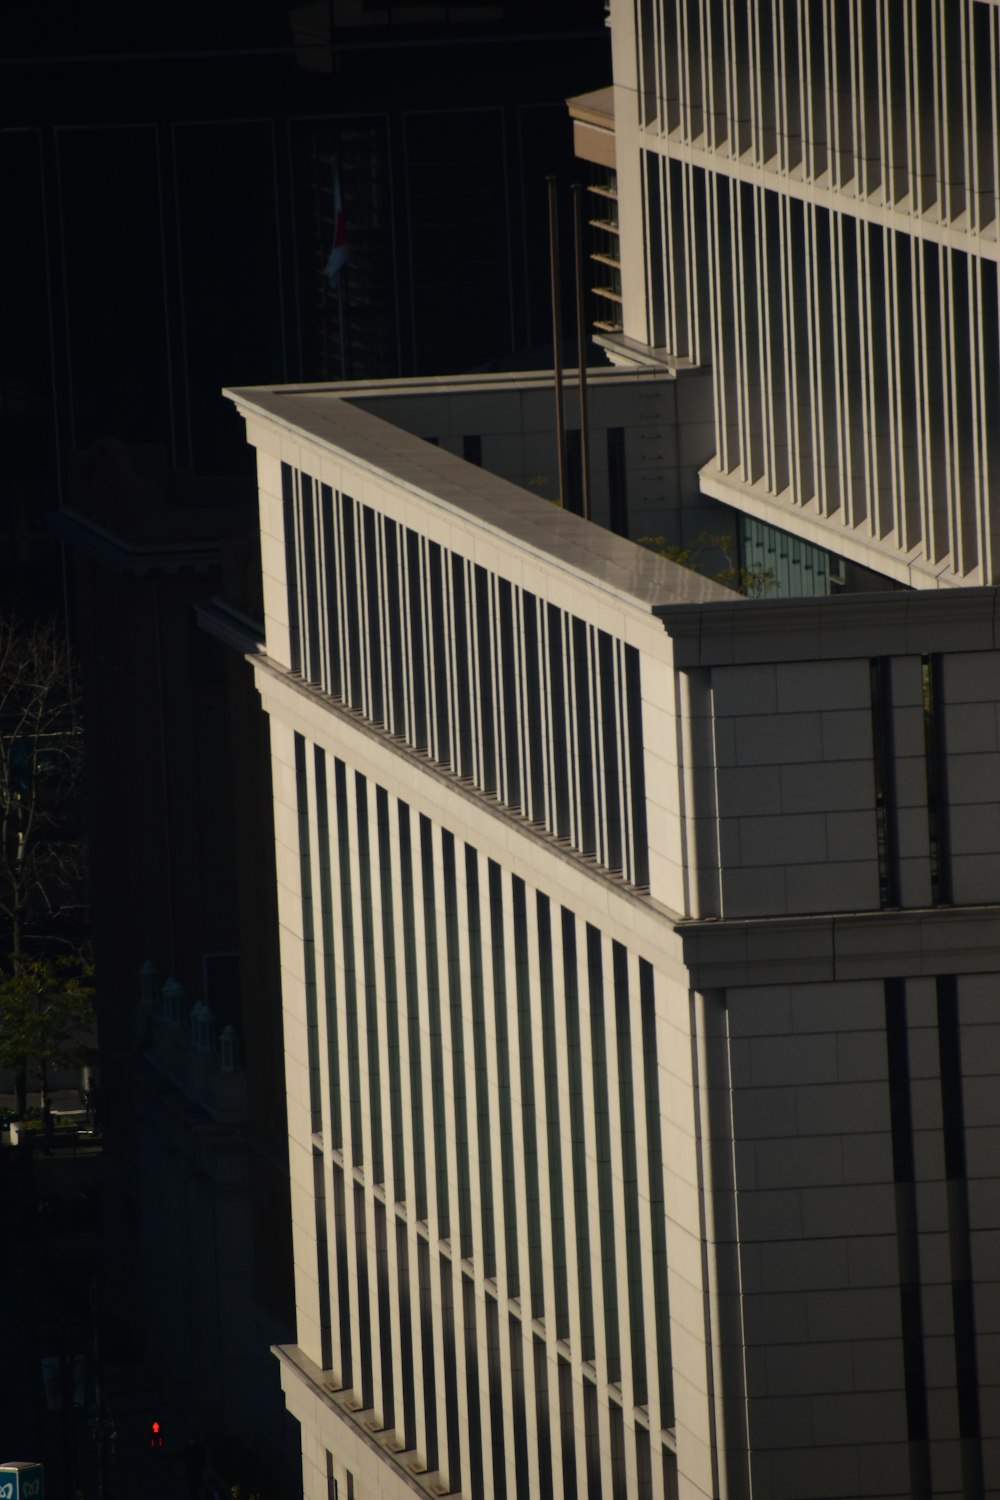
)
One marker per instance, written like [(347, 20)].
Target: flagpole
[(340, 315), (557, 335), (581, 340), (340, 276)]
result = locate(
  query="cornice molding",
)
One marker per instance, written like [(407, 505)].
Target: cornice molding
[(134, 557), (842, 947)]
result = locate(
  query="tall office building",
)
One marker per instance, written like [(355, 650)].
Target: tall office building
[(640, 942), (807, 200)]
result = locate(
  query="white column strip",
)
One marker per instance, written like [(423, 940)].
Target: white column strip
[(365, 1046), (385, 1076), (454, 1126), (617, 1171), (654, 1399), (495, 1002), (349, 1144), (430, 1141), (593, 1204), (520, 1180), (568, 1192), (466, 960), (408, 1102), (547, 1106)]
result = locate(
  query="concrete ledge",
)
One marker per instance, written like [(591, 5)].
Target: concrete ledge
[(306, 1386), (741, 631), (854, 946)]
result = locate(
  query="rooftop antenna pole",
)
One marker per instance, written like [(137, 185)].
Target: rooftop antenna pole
[(557, 371), (341, 336), (581, 347)]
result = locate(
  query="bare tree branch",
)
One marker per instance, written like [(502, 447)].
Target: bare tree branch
[(42, 852)]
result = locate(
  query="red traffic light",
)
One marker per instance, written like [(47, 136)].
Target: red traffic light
[(155, 1435)]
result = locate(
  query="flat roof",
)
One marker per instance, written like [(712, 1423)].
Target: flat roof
[(595, 108), (326, 415)]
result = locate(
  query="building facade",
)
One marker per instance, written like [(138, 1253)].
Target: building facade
[(640, 942), (639, 953), (805, 199)]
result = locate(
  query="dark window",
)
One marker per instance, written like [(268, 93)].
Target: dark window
[(602, 1146), (503, 1077), (406, 1311), (449, 1358), (584, 742), (416, 631), (433, 991), (534, 797), (350, 969), (352, 606), (373, 632), (457, 1042), (364, 1305), (439, 650), (311, 667), (480, 1044), (413, 1012), (579, 1147), (462, 759), (329, 955), (331, 624), (371, 980), (291, 566), (573, 499), (308, 940), (609, 734), (485, 662), (617, 491), (396, 708), (528, 1116), (508, 647)]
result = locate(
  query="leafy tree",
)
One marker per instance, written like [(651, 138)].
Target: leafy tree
[(754, 582), (46, 1007)]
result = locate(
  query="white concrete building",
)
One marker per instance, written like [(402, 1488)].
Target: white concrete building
[(640, 942), (805, 197), (640, 958)]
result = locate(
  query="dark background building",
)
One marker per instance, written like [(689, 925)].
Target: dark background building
[(168, 190), (168, 179)]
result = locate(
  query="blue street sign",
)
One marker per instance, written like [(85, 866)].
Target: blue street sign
[(22, 1481)]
